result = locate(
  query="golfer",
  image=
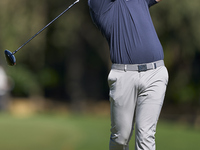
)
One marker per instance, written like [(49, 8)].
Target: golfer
[(138, 77)]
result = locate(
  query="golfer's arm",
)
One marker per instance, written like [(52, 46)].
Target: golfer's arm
[(158, 0)]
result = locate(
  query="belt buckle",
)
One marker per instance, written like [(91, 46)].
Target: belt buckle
[(142, 68)]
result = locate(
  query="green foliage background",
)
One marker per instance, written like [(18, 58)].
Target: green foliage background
[(70, 59)]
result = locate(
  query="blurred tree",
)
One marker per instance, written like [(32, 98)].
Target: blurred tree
[(19, 21), (69, 60), (177, 26), (77, 55)]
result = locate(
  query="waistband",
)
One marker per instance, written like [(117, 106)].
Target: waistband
[(138, 67)]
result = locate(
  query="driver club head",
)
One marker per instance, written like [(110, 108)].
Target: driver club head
[(10, 58)]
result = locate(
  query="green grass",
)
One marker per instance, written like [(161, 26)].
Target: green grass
[(81, 132), (171, 136)]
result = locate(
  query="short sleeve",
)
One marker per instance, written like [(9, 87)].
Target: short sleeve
[(100, 6), (151, 2), (95, 5), (89, 3)]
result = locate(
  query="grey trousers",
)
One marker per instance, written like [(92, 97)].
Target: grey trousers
[(136, 99)]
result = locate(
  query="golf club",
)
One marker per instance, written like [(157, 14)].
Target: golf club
[(10, 58)]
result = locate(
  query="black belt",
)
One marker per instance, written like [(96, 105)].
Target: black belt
[(138, 67)]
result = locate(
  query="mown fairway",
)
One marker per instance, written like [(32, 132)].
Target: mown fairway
[(82, 132)]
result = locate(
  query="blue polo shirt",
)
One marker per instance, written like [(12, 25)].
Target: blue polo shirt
[(128, 28)]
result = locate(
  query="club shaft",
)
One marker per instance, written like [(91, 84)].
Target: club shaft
[(45, 26)]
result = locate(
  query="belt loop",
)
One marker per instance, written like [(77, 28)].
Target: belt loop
[(155, 65), (125, 68)]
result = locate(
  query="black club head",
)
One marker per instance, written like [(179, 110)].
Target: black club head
[(10, 58)]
